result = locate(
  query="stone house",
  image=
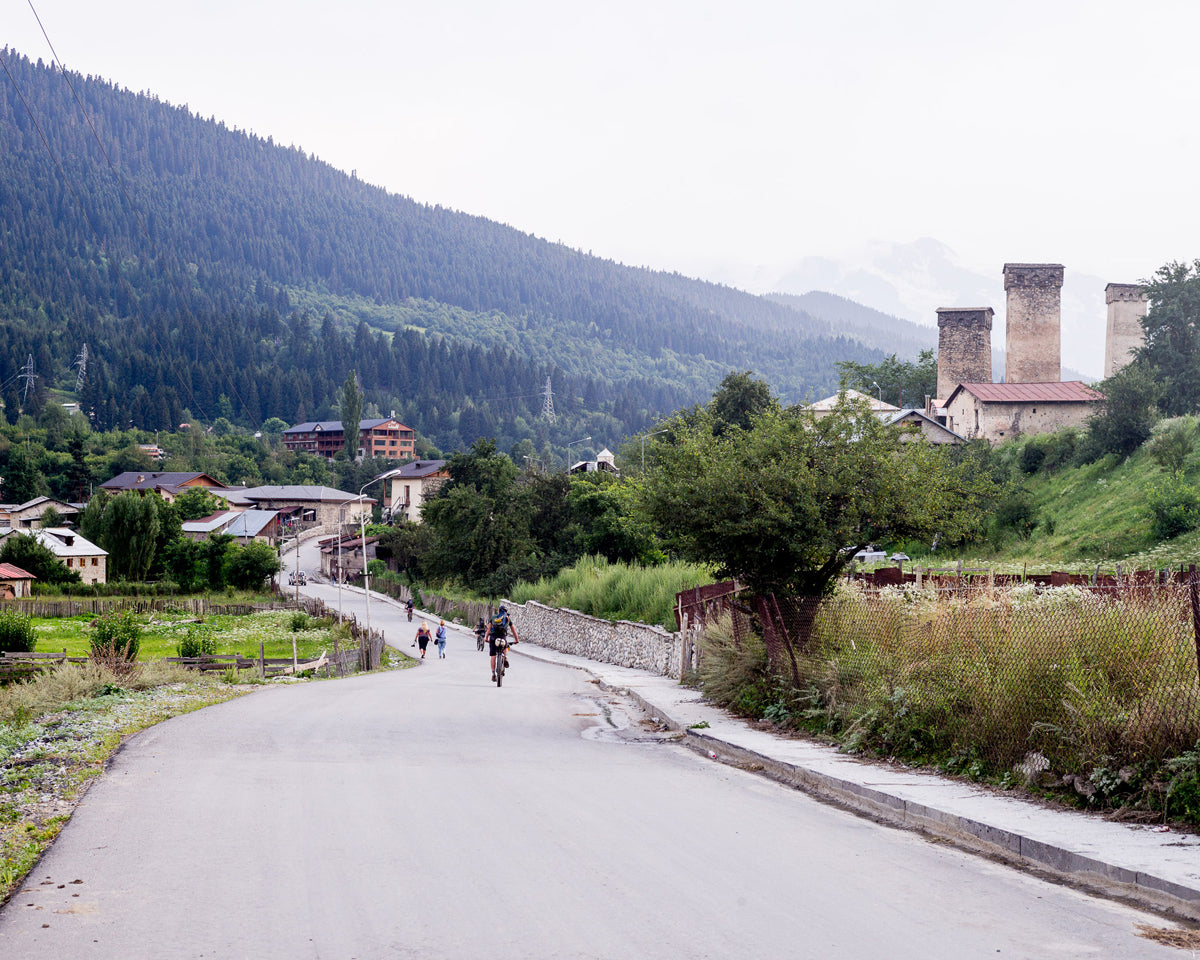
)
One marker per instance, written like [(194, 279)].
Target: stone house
[(76, 552), (310, 504), (916, 425), (1001, 411), (245, 526), (411, 485), (27, 515)]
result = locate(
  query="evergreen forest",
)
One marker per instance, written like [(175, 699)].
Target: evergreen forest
[(164, 268)]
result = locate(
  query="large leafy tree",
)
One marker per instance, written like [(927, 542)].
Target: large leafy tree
[(249, 567), (128, 527), (784, 505), (1172, 344), (740, 400)]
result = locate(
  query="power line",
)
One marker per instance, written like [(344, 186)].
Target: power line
[(548, 405)]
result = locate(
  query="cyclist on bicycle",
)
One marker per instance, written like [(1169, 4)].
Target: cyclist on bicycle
[(408, 606), (481, 629), (499, 629)]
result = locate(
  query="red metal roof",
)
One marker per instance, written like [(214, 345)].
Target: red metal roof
[(1066, 391), (10, 572)]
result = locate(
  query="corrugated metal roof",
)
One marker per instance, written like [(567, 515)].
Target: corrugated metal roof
[(875, 403), (10, 572), (1066, 391)]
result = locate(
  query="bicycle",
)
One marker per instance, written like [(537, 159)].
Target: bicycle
[(479, 638), (501, 653)]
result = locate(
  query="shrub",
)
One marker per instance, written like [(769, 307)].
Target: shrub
[(115, 640), (298, 621), (197, 643), (16, 632), (1174, 508)]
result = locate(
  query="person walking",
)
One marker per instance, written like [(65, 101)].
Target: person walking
[(423, 637), (441, 639)]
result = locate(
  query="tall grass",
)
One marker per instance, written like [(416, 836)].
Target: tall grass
[(1081, 678), (616, 591)]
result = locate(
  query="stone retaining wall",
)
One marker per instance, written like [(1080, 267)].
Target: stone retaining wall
[(623, 643)]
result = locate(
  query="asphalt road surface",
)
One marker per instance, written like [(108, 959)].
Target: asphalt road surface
[(426, 813)]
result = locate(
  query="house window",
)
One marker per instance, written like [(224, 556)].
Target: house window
[(69, 561), (95, 563)]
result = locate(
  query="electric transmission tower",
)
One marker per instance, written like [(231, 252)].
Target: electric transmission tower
[(28, 377), (548, 403), (81, 363)]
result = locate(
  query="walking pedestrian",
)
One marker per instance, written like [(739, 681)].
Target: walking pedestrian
[(441, 640), (423, 637)]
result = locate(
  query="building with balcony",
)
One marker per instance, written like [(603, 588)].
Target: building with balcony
[(387, 438)]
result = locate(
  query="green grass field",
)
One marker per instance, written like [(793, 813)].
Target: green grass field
[(162, 632)]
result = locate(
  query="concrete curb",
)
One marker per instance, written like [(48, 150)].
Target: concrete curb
[(1143, 889)]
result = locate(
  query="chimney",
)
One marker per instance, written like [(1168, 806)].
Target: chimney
[(1033, 352), (1126, 307), (964, 347)]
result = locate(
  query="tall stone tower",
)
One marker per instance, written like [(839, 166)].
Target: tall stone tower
[(1033, 352), (964, 347), (1126, 307)]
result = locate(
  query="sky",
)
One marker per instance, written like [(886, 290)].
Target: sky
[(696, 136)]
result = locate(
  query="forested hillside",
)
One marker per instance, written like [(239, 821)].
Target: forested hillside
[(213, 273)]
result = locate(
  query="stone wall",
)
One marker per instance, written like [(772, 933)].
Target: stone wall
[(623, 643), (964, 347), (1033, 308)]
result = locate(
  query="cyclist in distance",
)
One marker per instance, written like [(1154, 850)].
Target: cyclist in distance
[(409, 607), (499, 629)]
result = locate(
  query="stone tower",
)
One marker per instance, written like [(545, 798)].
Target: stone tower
[(1126, 307), (1033, 352), (964, 347)]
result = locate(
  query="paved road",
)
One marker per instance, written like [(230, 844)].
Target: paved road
[(425, 813)]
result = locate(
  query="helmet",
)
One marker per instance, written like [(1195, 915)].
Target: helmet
[(504, 610)]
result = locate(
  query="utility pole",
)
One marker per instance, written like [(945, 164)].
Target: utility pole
[(28, 377), (548, 403), (81, 363)]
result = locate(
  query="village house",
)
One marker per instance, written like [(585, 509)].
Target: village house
[(387, 438), (1001, 411), (605, 462), (167, 485), (309, 505), (410, 485), (76, 552), (245, 526), (917, 425), (344, 559), (29, 514), (15, 582)]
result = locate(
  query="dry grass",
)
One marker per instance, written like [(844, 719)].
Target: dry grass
[(1077, 676), (1184, 939)]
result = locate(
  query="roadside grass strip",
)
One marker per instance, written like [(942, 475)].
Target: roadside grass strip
[(48, 761)]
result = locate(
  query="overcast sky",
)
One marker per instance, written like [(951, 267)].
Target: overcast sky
[(682, 134)]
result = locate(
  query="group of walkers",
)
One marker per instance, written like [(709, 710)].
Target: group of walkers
[(495, 633)]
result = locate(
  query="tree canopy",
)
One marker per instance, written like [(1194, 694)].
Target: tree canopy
[(784, 505)]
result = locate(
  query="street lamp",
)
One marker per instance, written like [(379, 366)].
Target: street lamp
[(647, 437), (536, 460), (570, 445), (362, 520), (878, 392)]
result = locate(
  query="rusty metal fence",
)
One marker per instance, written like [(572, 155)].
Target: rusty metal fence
[(1062, 678)]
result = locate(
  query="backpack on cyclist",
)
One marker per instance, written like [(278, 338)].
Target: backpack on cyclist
[(500, 626)]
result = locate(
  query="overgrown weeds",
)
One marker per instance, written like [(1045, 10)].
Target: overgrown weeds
[(1066, 689)]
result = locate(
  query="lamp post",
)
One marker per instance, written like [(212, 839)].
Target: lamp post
[(362, 520), (570, 445), (878, 392), (536, 460), (644, 439)]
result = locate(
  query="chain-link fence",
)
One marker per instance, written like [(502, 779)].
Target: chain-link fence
[(1064, 678)]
